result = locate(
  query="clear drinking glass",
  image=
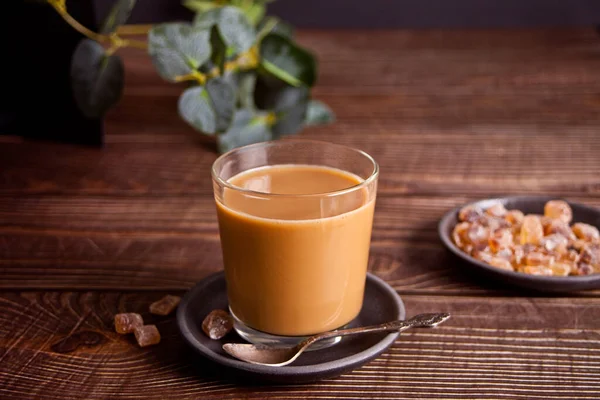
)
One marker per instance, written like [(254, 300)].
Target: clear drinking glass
[(295, 262)]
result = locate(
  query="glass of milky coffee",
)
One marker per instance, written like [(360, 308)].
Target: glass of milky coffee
[(295, 219)]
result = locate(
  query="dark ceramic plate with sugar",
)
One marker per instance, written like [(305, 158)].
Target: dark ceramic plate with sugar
[(528, 205), (381, 304)]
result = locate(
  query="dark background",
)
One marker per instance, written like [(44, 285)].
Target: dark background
[(44, 108), (398, 13), (35, 96)]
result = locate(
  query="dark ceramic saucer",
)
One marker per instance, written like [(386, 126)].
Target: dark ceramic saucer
[(527, 204), (381, 304)]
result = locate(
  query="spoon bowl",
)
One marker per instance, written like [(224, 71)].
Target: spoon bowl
[(281, 356)]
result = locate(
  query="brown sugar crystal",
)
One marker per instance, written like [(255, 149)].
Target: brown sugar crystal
[(470, 213), (127, 322), (500, 239), (532, 230), (165, 306), (217, 324), (534, 244), (586, 232), (497, 210), (514, 217), (147, 335), (558, 209)]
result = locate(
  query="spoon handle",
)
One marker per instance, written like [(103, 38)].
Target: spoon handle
[(421, 320)]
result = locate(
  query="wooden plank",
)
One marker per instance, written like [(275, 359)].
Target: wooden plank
[(498, 347), (455, 77), (452, 112), (451, 116), (143, 262), (474, 161), (172, 242), (381, 43)]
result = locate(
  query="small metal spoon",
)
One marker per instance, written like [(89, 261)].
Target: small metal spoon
[(280, 356)]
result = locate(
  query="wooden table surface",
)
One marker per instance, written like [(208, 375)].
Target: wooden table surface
[(451, 116)]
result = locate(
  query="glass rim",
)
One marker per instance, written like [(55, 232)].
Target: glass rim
[(374, 174)]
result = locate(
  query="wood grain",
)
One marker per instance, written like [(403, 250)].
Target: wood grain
[(474, 161), (172, 242), (516, 354), (503, 77), (451, 116)]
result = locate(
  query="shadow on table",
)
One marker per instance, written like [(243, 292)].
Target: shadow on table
[(174, 351), (454, 272)]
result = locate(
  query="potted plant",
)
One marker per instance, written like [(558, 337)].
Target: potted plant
[(244, 79)]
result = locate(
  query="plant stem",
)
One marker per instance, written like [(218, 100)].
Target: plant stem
[(194, 76), (246, 60), (115, 41), (271, 118), (76, 25)]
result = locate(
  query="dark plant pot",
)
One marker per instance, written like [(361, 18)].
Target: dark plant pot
[(36, 101)]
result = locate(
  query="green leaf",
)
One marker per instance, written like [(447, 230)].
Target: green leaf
[(245, 90), (287, 61), (222, 97), (96, 79), (209, 108), (247, 128), (208, 19), (118, 15), (284, 29), (289, 97), (243, 83), (318, 113), (195, 108), (236, 30), (200, 6), (254, 11), (178, 49), (219, 50), (274, 25), (290, 105), (234, 27), (273, 94)]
